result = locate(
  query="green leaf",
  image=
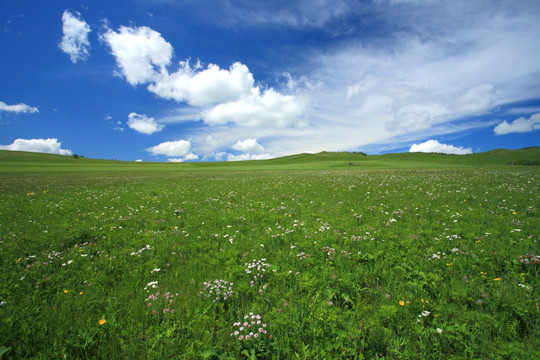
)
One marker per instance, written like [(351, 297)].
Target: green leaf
[(4, 350)]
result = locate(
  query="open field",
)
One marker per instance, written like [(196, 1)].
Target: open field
[(408, 257)]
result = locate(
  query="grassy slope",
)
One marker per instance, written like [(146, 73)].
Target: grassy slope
[(16, 163)]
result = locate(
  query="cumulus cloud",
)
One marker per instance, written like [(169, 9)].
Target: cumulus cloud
[(51, 146), (520, 125), (138, 52), (242, 157), (19, 108), (143, 124), (178, 148), (268, 109), (226, 95), (204, 87), (248, 146), (75, 39), (433, 146), (189, 156)]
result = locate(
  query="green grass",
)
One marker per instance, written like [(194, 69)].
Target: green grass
[(363, 263), (15, 163)]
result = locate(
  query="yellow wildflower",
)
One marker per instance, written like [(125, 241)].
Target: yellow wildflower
[(102, 321), (497, 279), (402, 303)]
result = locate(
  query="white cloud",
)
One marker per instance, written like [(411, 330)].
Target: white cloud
[(474, 101), (433, 146), (19, 108), (242, 157), (189, 156), (269, 109), (75, 39), (520, 125), (225, 95), (204, 87), (138, 52), (248, 146), (143, 124), (177, 148), (51, 146)]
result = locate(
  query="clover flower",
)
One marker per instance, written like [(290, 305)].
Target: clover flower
[(252, 327), (163, 302), (218, 289), (529, 259), (258, 268)]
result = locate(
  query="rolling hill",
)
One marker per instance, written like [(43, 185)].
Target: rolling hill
[(13, 163)]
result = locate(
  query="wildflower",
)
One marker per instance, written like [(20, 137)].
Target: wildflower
[(80, 293), (439, 330), (402, 303), (246, 330), (66, 291), (218, 289), (497, 279), (102, 321)]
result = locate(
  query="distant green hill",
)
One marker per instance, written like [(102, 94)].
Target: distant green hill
[(13, 163)]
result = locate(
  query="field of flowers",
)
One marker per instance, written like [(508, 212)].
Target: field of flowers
[(358, 264)]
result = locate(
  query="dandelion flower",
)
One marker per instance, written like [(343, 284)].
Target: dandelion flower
[(102, 321), (497, 279), (402, 303), (66, 291)]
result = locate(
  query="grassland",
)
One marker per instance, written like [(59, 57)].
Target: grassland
[(412, 256), (25, 163)]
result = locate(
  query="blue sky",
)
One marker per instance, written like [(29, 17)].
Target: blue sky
[(196, 80)]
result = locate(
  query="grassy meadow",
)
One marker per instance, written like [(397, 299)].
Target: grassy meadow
[(327, 256)]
